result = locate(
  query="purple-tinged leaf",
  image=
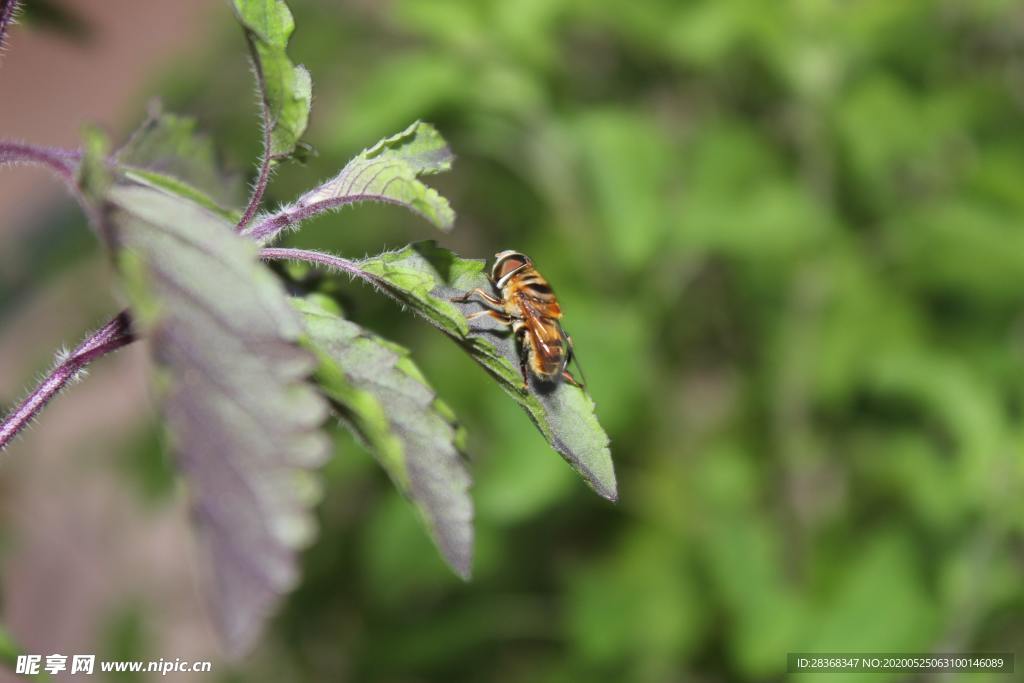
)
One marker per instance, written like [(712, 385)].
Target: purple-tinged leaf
[(377, 390), (243, 422)]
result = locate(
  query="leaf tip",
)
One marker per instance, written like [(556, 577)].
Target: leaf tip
[(605, 486), (611, 495), (462, 567)]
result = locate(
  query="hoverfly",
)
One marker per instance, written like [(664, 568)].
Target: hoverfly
[(530, 308)]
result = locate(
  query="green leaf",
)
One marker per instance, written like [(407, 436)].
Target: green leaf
[(243, 423), (93, 174), (427, 278), (167, 152), (287, 89), (389, 171), (378, 391)]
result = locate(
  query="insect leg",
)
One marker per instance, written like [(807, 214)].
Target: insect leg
[(567, 376), (520, 333), (570, 357), (486, 299), (500, 317)]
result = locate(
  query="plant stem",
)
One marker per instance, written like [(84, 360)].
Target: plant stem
[(264, 176), (7, 8), (274, 223), (110, 337), (321, 259), (56, 159)]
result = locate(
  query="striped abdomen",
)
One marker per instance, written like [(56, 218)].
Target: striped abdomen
[(535, 312)]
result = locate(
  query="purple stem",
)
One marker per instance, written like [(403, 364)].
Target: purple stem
[(59, 160), (272, 224), (318, 258), (264, 177), (7, 8), (116, 333), (63, 162), (110, 337)]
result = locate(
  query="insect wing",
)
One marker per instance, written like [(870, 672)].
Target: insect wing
[(546, 331), (550, 341), (546, 343)]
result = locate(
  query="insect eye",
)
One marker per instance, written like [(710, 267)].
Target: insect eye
[(507, 264)]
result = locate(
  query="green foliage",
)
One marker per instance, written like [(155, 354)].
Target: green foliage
[(287, 89), (94, 176), (168, 152), (388, 172), (376, 389)]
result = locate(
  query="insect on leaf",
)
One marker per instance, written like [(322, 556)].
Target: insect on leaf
[(377, 390), (167, 152), (427, 278), (242, 420), (287, 89)]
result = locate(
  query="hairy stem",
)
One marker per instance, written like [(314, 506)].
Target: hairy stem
[(110, 337), (265, 162), (61, 161), (7, 8), (270, 225), (318, 258)]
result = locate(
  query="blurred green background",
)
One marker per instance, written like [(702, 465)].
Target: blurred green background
[(787, 238)]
